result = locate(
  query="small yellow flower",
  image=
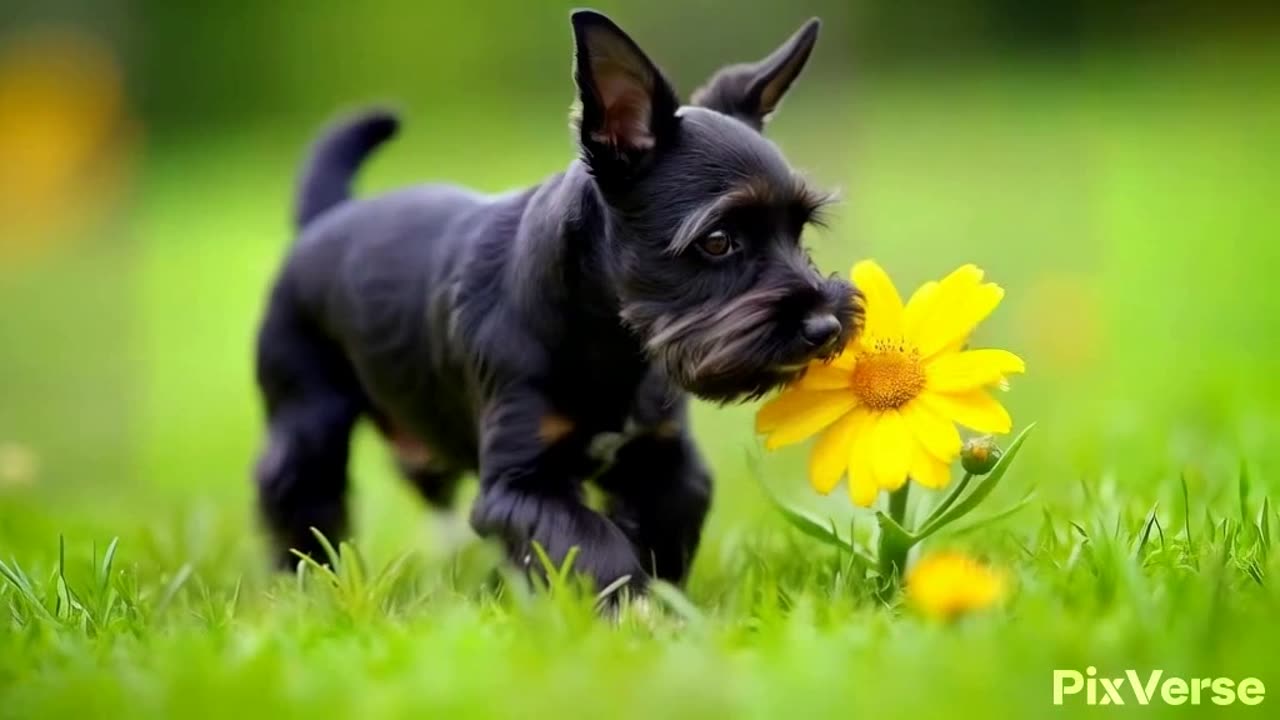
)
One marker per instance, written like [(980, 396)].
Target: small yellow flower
[(886, 407), (948, 584)]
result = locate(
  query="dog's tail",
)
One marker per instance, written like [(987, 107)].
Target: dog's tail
[(334, 159)]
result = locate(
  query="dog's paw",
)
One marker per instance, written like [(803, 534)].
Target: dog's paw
[(611, 564), (598, 548)]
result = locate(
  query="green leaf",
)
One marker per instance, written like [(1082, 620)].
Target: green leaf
[(997, 517), (894, 547), (895, 532), (949, 500), (806, 523), (980, 493)]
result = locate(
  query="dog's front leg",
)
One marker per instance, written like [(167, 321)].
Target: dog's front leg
[(529, 493), (660, 491)]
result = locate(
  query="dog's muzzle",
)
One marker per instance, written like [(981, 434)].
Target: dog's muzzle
[(821, 330)]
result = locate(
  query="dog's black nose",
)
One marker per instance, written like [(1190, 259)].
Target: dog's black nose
[(820, 329)]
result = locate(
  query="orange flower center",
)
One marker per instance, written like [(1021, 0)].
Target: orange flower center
[(888, 376)]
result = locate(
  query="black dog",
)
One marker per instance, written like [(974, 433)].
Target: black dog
[(515, 335)]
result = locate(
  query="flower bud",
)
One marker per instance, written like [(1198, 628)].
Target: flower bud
[(979, 455)]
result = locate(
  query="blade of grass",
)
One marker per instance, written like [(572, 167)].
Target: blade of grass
[(309, 562), (22, 585), (108, 558), (676, 601), (172, 587), (1264, 523), (1146, 530), (1186, 513), (329, 551), (602, 597), (1244, 485), (233, 603)]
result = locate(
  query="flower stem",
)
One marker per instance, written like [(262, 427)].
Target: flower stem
[(894, 547), (898, 504), (948, 501)]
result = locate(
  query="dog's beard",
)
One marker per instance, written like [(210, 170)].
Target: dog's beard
[(731, 351)]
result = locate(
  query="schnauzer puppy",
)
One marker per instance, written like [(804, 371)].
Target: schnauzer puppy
[(548, 337)]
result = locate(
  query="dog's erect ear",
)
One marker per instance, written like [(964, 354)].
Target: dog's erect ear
[(627, 108), (751, 91)]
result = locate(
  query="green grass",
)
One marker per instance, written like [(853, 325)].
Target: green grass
[(1127, 207)]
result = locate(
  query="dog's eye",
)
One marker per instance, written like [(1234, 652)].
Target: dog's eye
[(717, 244)]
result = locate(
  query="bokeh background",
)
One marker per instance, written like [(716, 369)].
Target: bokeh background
[(1111, 164)]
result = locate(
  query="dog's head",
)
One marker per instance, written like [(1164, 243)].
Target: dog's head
[(706, 217)]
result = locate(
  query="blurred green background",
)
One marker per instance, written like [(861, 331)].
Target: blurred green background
[(1112, 165)]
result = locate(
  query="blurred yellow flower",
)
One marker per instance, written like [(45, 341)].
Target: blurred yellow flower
[(946, 585), (886, 407), (18, 465), (64, 137)]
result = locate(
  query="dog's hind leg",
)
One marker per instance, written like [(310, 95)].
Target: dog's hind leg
[(313, 401)]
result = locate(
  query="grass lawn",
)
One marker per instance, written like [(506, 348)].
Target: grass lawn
[(1129, 208)]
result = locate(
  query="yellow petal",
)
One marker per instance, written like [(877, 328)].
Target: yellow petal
[(970, 370), (802, 415), (830, 455), (891, 454), (918, 307), (976, 410), (884, 305), (955, 319), (790, 405), (863, 491), (928, 470), (862, 482), (825, 377), (935, 298), (934, 433), (847, 358)]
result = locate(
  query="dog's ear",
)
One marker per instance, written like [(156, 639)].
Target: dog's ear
[(627, 109), (751, 91)]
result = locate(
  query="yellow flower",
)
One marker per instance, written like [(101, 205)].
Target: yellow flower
[(18, 465), (887, 406), (948, 584)]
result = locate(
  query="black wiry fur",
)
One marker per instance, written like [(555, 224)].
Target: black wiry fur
[(507, 335)]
